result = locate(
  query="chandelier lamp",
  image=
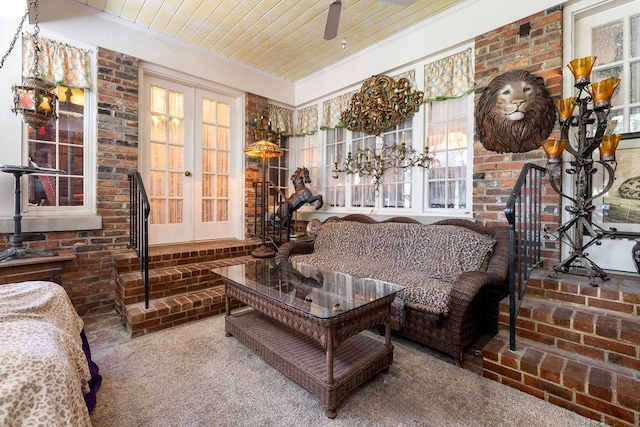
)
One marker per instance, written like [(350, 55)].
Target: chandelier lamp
[(374, 161), (592, 130), (34, 99)]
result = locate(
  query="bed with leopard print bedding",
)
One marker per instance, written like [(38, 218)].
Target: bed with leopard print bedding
[(444, 268), (46, 375)]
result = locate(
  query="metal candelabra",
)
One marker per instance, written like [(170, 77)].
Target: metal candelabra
[(579, 232), (374, 162)]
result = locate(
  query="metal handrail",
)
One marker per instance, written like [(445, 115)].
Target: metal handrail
[(139, 209), (524, 214)]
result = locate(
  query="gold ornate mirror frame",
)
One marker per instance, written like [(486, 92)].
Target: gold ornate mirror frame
[(381, 103)]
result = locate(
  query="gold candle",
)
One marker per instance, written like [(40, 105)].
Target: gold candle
[(602, 91), (581, 68), (565, 107), (554, 148), (608, 147)]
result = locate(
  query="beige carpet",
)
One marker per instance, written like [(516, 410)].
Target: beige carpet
[(193, 375)]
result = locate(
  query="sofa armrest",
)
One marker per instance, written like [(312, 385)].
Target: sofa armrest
[(498, 268), (467, 285), (289, 249)]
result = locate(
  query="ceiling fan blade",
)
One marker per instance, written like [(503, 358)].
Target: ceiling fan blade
[(333, 18)]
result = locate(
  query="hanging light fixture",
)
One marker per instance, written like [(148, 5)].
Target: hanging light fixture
[(34, 99)]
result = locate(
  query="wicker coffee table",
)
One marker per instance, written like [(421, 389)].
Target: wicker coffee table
[(306, 322)]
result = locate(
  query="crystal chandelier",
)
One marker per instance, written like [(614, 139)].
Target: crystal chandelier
[(34, 99)]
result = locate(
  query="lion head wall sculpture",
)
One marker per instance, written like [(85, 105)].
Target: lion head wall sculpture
[(515, 113)]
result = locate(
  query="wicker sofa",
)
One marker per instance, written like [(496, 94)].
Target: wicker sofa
[(444, 266)]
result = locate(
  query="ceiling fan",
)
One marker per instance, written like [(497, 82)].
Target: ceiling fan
[(333, 17)]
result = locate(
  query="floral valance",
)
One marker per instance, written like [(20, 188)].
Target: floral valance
[(307, 121), (450, 77), (58, 63), (281, 119), (333, 108)]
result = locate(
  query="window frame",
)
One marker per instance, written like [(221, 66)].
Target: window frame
[(69, 218)]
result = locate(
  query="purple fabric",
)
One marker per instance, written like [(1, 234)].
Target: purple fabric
[(96, 379)]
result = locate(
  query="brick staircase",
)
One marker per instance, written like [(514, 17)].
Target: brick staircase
[(577, 346), (182, 287)]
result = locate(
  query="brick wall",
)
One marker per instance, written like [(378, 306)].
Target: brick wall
[(255, 107), (495, 174), (89, 279), (540, 53)]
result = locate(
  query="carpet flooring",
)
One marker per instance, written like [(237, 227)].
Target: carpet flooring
[(192, 375)]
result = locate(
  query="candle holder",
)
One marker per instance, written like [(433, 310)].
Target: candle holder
[(592, 130)]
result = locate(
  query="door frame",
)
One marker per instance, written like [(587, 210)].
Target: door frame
[(237, 181)]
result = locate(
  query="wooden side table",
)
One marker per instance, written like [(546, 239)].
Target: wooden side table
[(35, 268)]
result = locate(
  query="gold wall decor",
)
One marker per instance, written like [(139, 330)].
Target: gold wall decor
[(381, 104)]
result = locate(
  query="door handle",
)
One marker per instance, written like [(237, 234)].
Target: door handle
[(187, 173)]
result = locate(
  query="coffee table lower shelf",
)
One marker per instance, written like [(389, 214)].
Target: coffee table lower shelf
[(304, 361)]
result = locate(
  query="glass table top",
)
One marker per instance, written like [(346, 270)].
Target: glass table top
[(319, 292)]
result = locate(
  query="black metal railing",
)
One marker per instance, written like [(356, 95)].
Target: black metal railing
[(272, 234), (524, 213), (139, 209)]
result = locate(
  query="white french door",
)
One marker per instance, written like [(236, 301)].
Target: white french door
[(190, 163)]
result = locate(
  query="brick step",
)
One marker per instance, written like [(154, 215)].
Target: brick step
[(600, 334), (177, 295), (171, 281), (172, 311), (603, 391), (163, 256), (619, 294)]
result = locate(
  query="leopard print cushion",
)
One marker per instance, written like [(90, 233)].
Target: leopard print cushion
[(425, 259), (43, 369)]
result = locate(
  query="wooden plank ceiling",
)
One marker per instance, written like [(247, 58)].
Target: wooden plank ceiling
[(280, 37)]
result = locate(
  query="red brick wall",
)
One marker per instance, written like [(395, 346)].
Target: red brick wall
[(89, 280), (255, 107), (496, 52)]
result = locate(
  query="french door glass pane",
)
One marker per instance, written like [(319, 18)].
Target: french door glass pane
[(208, 210), (607, 43), (175, 211), (157, 213), (223, 210)]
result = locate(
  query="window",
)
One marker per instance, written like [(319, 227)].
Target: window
[(357, 191), (279, 171), (60, 144), (613, 36), (308, 150), (448, 135), (336, 146)]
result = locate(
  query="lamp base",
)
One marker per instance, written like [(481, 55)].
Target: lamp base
[(263, 252), (21, 252)]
